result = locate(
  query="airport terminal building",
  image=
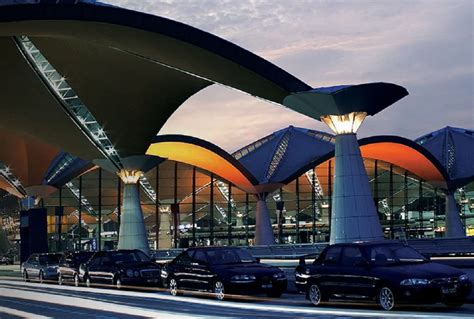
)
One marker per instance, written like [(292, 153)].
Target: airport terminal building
[(82, 168)]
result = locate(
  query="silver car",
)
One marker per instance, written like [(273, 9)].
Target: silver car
[(41, 267)]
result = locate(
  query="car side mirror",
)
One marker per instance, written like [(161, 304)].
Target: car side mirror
[(302, 261)]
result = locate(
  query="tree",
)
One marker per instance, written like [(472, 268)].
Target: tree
[(4, 242)]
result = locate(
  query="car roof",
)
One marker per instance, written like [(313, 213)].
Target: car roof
[(369, 243), (50, 254), (214, 248)]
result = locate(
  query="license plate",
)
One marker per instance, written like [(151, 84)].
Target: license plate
[(448, 290), (266, 286)]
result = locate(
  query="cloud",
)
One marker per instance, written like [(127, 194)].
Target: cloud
[(426, 46)]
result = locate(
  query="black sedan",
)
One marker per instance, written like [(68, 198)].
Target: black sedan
[(221, 271), (68, 270), (386, 272), (120, 268), (41, 267)]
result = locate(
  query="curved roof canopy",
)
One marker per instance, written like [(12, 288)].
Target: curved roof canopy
[(127, 67), (406, 154), (344, 99), (28, 159), (454, 149), (205, 155), (262, 166), (279, 158)]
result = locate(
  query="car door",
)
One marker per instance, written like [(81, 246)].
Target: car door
[(182, 269), (94, 267), (31, 266), (62, 267), (354, 274), (200, 275), (328, 276), (106, 270)]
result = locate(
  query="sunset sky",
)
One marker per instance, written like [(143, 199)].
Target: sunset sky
[(425, 46)]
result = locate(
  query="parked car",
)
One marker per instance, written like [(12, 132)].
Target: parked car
[(389, 273), (68, 270), (5, 260), (120, 268), (41, 267), (222, 271)]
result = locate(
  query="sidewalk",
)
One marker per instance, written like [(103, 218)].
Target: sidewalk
[(10, 270)]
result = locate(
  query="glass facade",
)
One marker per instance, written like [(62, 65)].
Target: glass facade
[(190, 212)]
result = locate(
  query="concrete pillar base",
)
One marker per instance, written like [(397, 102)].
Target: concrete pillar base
[(132, 226)]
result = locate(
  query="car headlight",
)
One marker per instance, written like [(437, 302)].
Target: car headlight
[(136, 273), (129, 273), (414, 282), (464, 278), (242, 278), (164, 274), (279, 275)]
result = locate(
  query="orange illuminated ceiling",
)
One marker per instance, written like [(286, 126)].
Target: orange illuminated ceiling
[(407, 158), (205, 156), (398, 151), (27, 157)]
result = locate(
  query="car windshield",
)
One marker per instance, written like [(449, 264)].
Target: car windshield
[(49, 259), (82, 257), (129, 257), (229, 256), (386, 255)]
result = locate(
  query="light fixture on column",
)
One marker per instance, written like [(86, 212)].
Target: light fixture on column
[(346, 123), (130, 176)]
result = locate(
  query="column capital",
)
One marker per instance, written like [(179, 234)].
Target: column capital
[(129, 176), (344, 124)]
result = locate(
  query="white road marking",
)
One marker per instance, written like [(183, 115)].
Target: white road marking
[(89, 304), (22, 314), (247, 306)]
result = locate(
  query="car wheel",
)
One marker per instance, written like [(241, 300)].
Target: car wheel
[(218, 290), (386, 298), (118, 283), (60, 279), (76, 280), (41, 277), (173, 287), (88, 282), (314, 294), (25, 276)]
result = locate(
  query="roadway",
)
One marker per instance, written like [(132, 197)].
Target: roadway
[(33, 300)]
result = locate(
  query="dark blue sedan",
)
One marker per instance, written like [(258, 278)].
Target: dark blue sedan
[(388, 273), (222, 271)]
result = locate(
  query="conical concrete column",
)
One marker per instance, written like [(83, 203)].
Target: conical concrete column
[(165, 232), (454, 226), (132, 225), (354, 216), (263, 224)]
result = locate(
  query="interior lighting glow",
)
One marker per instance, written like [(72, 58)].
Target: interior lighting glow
[(130, 177), (346, 123)]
